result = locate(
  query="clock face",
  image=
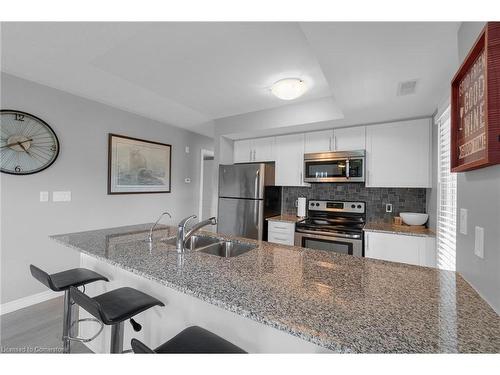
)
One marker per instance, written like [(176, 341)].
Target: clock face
[(27, 144)]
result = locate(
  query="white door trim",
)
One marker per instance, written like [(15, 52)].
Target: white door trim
[(204, 153)]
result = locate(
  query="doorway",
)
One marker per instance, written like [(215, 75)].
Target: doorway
[(207, 170)]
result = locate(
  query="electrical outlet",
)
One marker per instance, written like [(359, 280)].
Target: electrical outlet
[(479, 242), (187, 180), (388, 207), (463, 220), (61, 196), (44, 196)]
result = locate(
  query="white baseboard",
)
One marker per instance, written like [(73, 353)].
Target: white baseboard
[(20, 303)]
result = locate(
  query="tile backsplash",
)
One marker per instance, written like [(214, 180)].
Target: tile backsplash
[(402, 199)]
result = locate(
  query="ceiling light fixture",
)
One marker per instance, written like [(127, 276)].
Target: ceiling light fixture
[(289, 88)]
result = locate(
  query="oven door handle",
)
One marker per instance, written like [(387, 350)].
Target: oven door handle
[(329, 234)]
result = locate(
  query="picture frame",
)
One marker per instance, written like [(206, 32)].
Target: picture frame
[(138, 166), (475, 105)]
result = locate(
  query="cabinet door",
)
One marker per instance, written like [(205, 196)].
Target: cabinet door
[(290, 160), (349, 139), (399, 154), (318, 141), (263, 149), (243, 151), (392, 247)]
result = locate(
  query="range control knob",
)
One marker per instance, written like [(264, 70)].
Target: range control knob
[(353, 206), (317, 204), (359, 206), (311, 204)]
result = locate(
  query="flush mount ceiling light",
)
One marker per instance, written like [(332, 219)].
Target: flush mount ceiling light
[(289, 88)]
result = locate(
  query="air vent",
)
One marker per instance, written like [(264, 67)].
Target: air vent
[(407, 87)]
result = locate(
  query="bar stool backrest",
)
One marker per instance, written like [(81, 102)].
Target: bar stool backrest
[(43, 277), (88, 304)]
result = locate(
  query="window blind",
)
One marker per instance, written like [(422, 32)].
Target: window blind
[(447, 198)]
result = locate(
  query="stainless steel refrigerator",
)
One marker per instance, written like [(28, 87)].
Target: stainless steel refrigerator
[(247, 196)]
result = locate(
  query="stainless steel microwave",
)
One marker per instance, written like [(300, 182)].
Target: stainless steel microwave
[(337, 166)]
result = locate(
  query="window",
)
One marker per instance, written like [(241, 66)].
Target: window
[(447, 198)]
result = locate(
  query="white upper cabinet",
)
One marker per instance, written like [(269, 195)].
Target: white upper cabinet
[(318, 141), (349, 139), (254, 150), (343, 139), (290, 160), (263, 149), (243, 151), (398, 154)]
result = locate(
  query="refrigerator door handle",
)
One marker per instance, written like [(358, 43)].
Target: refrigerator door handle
[(256, 184), (256, 213)]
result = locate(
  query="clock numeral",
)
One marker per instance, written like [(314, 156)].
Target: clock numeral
[(18, 168), (53, 148), (19, 117)]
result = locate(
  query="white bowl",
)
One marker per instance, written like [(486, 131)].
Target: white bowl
[(413, 218)]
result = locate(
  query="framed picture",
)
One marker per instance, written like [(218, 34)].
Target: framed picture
[(475, 105), (137, 166)]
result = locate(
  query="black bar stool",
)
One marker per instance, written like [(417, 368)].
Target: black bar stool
[(114, 307), (192, 340), (62, 282)]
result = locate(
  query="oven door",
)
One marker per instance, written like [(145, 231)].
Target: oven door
[(351, 246)]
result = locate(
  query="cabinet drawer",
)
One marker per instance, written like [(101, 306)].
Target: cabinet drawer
[(281, 227), (281, 238)]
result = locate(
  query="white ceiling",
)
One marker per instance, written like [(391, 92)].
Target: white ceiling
[(189, 74)]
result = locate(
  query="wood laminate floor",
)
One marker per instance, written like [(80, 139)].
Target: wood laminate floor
[(35, 329)]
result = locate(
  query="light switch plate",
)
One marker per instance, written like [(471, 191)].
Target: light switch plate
[(44, 196), (463, 220), (479, 242), (61, 196), (388, 207), (187, 149)]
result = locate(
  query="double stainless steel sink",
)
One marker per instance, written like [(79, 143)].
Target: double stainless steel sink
[(215, 246)]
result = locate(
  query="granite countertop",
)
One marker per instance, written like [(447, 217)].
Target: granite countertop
[(398, 229), (341, 302), (285, 218)]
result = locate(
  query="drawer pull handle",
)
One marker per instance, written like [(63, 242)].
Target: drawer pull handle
[(280, 239), (278, 227)]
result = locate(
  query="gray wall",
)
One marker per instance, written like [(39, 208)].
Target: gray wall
[(82, 126), (479, 192)]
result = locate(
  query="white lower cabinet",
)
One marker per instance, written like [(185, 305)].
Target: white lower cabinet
[(281, 232), (417, 250)]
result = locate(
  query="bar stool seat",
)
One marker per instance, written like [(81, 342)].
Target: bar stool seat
[(61, 281), (192, 340), (123, 303), (114, 307)]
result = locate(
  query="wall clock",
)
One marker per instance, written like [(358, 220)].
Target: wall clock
[(27, 143)]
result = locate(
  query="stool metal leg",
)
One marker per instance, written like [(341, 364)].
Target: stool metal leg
[(66, 322), (117, 338)]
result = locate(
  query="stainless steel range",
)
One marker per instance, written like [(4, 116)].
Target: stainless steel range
[(333, 226)]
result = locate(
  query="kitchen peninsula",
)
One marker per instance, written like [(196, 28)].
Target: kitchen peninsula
[(278, 298)]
